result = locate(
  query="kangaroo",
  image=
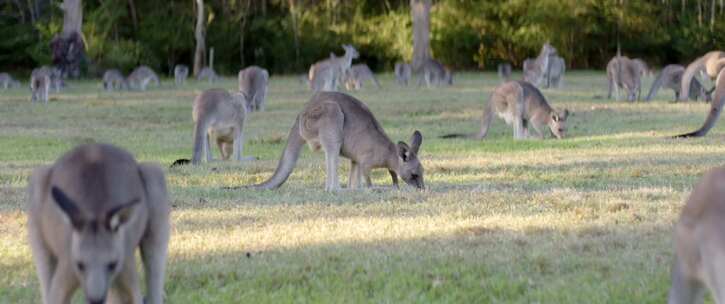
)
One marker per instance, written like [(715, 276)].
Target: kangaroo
[(221, 115), (87, 214), (141, 77), (699, 246), (207, 73), (624, 73), (715, 107), (555, 73), (670, 77), (341, 125), (535, 69), (434, 73), (8, 82), (403, 73), (113, 79), (331, 70), (181, 72), (40, 82), (710, 63), (504, 71), (644, 69), (254, 81), (357, 75), (520, 103)]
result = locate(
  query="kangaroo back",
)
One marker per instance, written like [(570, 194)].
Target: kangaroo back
[(288, 160), (658, 83)]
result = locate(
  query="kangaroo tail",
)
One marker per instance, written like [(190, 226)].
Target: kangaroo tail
[(288, 160), (199, 141), (715, 110), (456, 135)]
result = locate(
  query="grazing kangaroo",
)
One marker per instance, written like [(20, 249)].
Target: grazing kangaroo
[(434, 73), (504, 71), (326, 74), (87, 214), (699, 245), (710, 63), (624, 73), (670, 77), (254, 81), (40, 81), (520, 103), (644, 69), (341, 125), (357, 75), (114, 80), (141, 77), (207, 73), (715, 108), (555, 73), (219, 114), (535, 68), (8, 82), (403, 73), (181, 72)]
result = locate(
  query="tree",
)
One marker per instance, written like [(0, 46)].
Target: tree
[(420, 11), (200, 35), (72, 16)]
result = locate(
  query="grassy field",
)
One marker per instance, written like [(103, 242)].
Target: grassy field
[(586, 219)]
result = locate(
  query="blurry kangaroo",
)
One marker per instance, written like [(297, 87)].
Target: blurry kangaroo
[(8, 82), (434, 73), (40, 81), (520, 103), (715, 108), (699, 245), (141, 77), (341, 125), (555, 73), (326, 74), (357, 75), (624, 73), (181, 72), (644, 69), (219, 114), (207, 73), (403, 72), (254, 81), (504, 71), (87, 214), (114, 80), (535, 68), (670, 77), (711, 64)]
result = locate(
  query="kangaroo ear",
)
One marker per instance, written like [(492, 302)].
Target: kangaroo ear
[(403, 151), (119, 215), (73, 214), (554, 117), (415, 140)]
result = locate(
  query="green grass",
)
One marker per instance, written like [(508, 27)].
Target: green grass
[(586, 219)]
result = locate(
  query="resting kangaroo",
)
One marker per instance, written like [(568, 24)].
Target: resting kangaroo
[(711, 63), (114, 80), (7, 81), (341, 125), (699, 245), (357, 75), (87, 214), (254, 81), (670, 77), (403, 72), (520, 103), (432, 72), (535, 68), (181, 72), (624, 73), (219, 114), (40, 81), (504, 71), (326, 74), (141, 77), (715, 108)]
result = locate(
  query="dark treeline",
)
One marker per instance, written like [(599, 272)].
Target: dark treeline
[(287, 35)]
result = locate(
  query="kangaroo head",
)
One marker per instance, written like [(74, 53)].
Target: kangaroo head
[(97, 250), (244, 99), (409, 168), (349, 49), (548, 50), (557, 123)]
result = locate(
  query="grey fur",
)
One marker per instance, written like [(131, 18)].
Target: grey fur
[(254, 82)]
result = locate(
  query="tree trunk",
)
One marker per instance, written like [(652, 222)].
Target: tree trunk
[(420, 11), (200, 38), (134, 17), (242, 26), (295, 32), (72, 16)]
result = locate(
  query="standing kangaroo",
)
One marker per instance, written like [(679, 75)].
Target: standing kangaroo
[(141, 77), (434, 73), (520, 103), (624, 73), (699, 245), (555, 73), (181, 72), (341, 125), (535, 69), (221, 115), (715, 108), (326, 74), (671, 77), (7, 81), (87, 214), (254, 81), (40, 81), (504, 71), (403, 73), (114, 80), (711, 64), (357, 75)]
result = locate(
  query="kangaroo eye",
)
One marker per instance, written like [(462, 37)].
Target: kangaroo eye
[(81, 266), (111, 266)]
